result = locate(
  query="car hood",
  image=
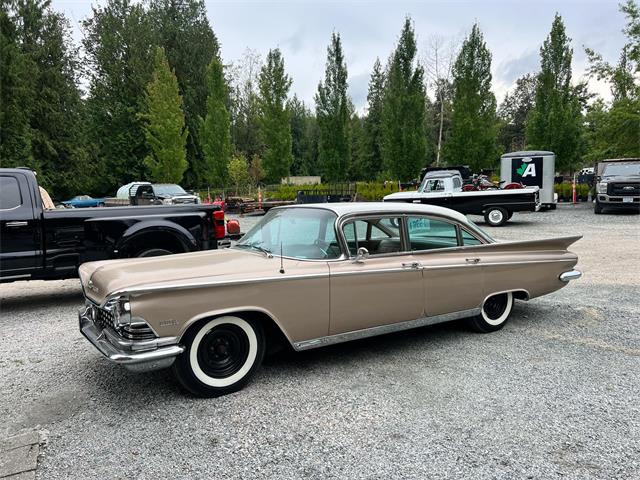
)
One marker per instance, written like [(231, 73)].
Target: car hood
[(621, 178), (399, 196), (101, 279)]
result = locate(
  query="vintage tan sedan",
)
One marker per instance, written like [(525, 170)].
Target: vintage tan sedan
[(312, 275)]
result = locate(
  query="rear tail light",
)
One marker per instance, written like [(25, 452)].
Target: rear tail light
[(218, 224)]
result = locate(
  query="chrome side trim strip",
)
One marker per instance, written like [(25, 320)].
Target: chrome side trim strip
[(492, 264), (372, 271), (572, 275), (214, 283), (382, 329)]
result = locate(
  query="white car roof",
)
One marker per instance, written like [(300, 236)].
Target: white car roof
[(348, 208)]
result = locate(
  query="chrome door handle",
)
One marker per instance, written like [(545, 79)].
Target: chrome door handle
[(414, 265), (16, 224), (472, 260)]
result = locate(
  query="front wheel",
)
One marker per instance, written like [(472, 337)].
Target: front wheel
[(597, 208), (494, 314), (496, 216), (221, 356)]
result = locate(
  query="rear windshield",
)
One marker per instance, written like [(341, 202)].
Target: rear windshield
[(627, 169)]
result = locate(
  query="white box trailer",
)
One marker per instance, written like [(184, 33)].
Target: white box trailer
[(531, 168)]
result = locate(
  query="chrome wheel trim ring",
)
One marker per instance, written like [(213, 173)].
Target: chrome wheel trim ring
[(496, 216)]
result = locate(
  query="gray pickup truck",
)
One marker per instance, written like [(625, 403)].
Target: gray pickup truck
[(617, 184), (37, 242)]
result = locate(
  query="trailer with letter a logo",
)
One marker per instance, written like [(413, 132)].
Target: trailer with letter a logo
[(531, 168)]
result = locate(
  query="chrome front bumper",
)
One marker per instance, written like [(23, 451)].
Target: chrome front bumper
[(142, 355), (571, 275)]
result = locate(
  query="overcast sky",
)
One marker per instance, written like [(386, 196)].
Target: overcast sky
[(513, 30)]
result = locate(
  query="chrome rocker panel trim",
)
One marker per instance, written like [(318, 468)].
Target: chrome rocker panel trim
[(571, 275), (382, 329), (125, 352)]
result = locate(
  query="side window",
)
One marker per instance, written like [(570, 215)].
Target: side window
[(434, 186), (377, 235), (456, 182), (427, 233), (468, 239), (9, 193)]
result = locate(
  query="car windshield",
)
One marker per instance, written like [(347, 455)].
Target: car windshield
[(169, 190), (628, 169), (303, 233)]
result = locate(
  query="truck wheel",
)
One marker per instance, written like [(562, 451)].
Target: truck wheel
[(597, 208), (495, 313), (153, 252), (496, 216), (221, 356)]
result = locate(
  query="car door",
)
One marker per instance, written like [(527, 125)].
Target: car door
[(19, 239), (384, 288), (453, 278)]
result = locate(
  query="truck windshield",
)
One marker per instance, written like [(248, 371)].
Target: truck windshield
[(303, 233), (625, 170), (169, 190)]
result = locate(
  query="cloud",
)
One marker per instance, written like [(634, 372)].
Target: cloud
[(508, 71)]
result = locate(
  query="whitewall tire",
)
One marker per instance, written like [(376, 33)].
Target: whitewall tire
[(494, 314), (221, 355)]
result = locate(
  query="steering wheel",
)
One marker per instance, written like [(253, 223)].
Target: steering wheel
[(322, 246)]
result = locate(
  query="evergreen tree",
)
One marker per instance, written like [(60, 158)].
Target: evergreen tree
[(555, 122), (372, 135), (216, 132), (404, 145), (182, 28), (332, 113), (118, 44), (17, 72), (473, 120), (275, 129), (358, 152), (513, 113), (301, 141), (37, 46), (164, 124)]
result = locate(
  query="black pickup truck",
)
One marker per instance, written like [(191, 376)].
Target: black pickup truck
[(41, 243)]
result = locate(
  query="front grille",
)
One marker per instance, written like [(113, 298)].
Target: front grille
[(623, 189), (103, 318)]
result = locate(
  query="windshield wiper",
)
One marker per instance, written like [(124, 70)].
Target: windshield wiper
[(256, 246)]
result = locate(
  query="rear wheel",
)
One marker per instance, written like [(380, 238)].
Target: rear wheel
[(494, 314), (496, 216), (221, 356)]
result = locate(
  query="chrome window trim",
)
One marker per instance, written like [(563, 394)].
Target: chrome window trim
[(383, 329), (379, 216)]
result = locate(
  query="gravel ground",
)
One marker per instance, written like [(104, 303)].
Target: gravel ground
[(554, 394)]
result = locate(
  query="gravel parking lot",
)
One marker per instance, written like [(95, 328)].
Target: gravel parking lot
[(554, 394)]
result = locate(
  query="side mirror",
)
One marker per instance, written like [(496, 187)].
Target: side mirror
[(361, 255)]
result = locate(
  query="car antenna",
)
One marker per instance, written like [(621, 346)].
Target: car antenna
[(281, 260)]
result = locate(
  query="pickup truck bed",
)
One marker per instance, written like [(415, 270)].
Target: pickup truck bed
[(50, 244)]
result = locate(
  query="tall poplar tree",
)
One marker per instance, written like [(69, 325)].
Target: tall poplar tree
[(216, 129), (372, 135), (473, 138), (404, 141), (164, 126), (555, 123), (181, 27), (274, 120), (332, 113)]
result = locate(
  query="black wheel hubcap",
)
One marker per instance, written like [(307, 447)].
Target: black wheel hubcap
[(223, 351), (496, 305)]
